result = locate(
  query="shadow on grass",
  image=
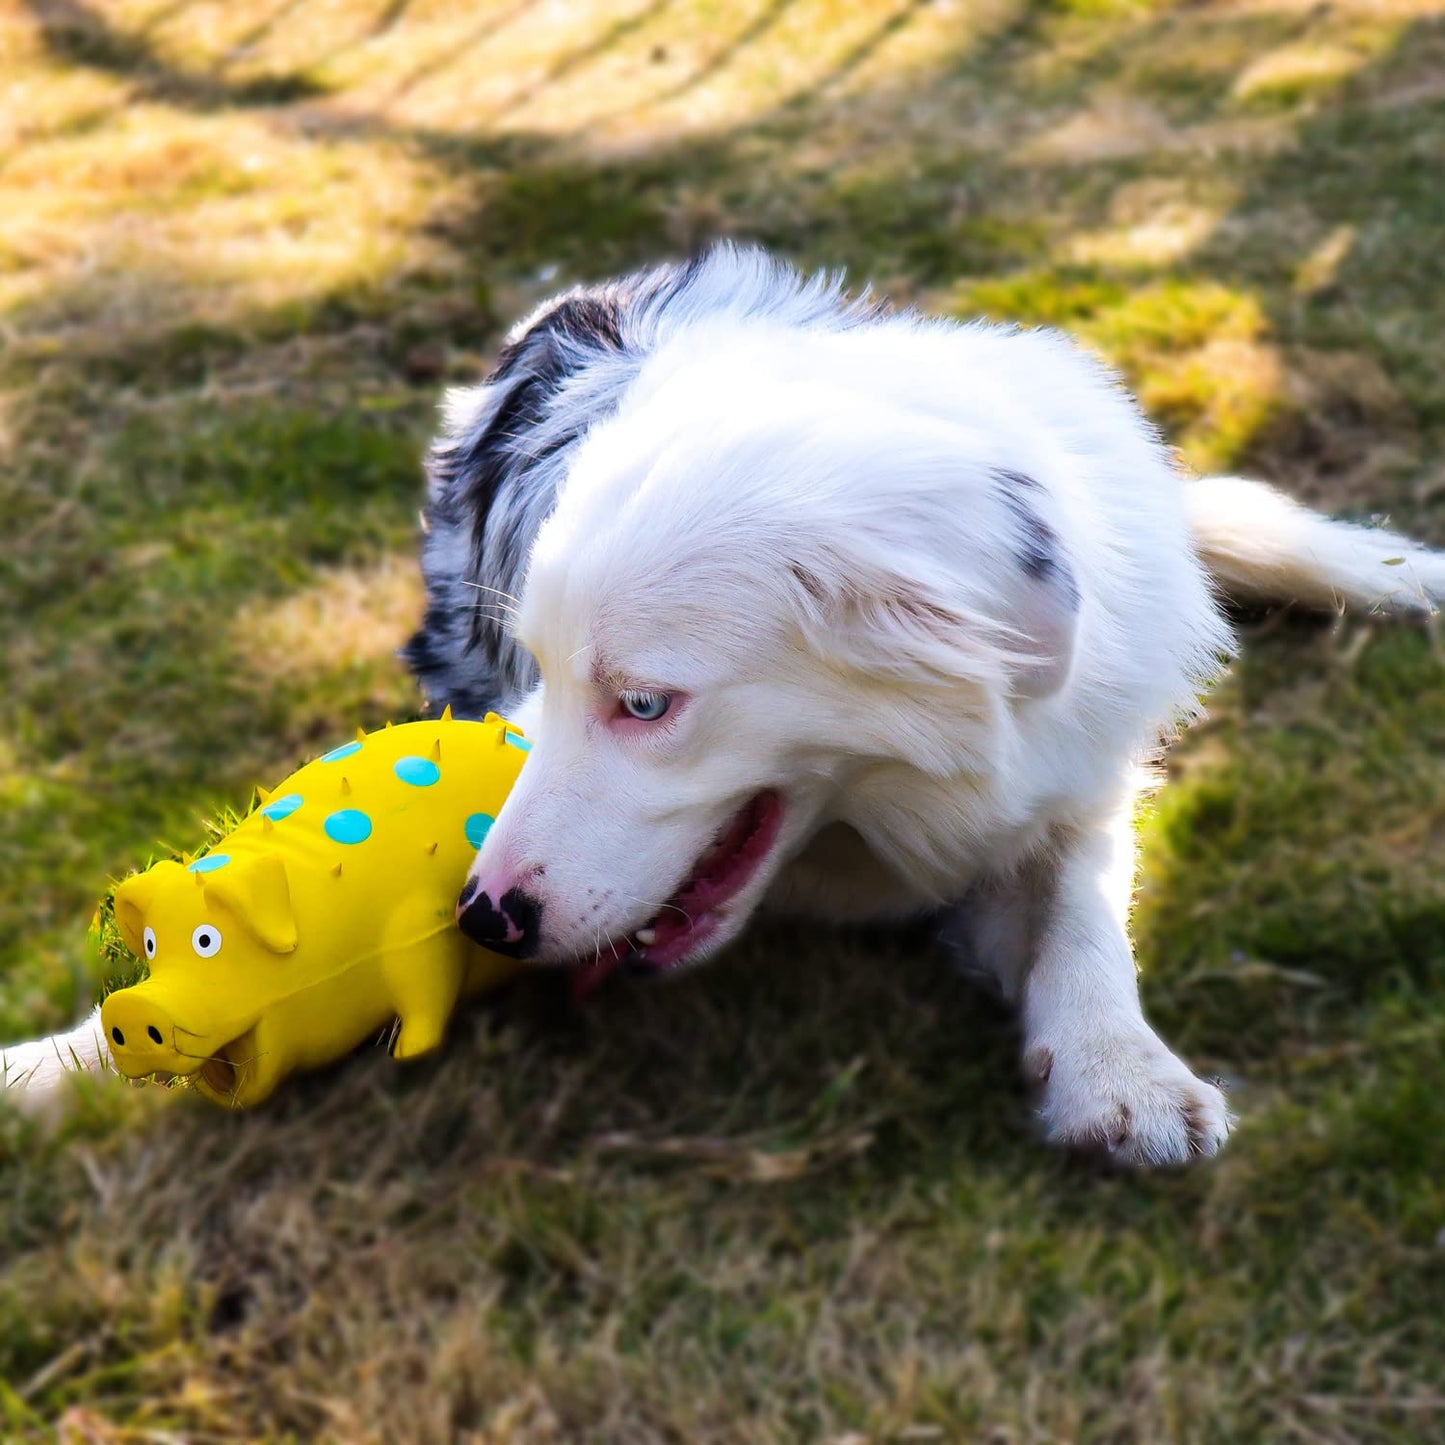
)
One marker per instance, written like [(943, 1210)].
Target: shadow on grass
[(444, 60), (81, 35)]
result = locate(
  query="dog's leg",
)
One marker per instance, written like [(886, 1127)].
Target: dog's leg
[(1107, 1080), (34, 1072)]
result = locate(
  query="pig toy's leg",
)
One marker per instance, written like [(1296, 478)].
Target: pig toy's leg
[(425, 982)]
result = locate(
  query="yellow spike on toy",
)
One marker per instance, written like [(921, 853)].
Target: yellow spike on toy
[(336, 871), (266, 824), (346, 787), (390, 725), (436, 751), (361, 735), (263, 795), (200, 880), (447, 713), (432, 849)]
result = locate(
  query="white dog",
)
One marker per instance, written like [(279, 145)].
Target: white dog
[(857, 615)]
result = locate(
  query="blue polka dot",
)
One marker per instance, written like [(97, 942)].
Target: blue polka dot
[(349, 825), (419, 772), (344, 751), (477, 827), (209, 863), (279, 808), (517, 741)]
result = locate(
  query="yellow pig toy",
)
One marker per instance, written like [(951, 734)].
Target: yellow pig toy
[(327, 914)]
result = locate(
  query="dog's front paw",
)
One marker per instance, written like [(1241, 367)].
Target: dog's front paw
[(1130, 1098)]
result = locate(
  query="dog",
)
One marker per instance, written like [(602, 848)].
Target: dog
[(815, 608)]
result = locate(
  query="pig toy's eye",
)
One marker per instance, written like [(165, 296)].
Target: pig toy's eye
[(206, 940), (148, 940)]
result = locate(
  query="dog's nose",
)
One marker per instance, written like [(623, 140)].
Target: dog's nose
[(512, 925)]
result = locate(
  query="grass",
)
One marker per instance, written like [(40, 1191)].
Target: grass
[(242, 248)]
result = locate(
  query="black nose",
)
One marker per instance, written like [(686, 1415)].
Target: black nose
[(511, 926)]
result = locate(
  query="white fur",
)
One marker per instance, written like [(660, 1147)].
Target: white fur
[(1261, 544), (812, 536), (36, 1070)]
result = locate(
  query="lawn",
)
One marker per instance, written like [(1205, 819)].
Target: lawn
[(244, 244)]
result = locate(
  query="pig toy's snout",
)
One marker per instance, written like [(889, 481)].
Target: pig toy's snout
[(142, 1035)]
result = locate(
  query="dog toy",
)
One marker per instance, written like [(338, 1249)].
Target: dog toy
[(325, 915)]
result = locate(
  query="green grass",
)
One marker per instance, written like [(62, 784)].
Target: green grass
[(798, 1196)]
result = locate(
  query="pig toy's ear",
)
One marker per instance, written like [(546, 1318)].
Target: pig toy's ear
[(257, 895), (133, 900)]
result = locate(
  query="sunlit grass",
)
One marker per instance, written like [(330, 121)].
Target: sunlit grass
[(243, 246), (163, 219)]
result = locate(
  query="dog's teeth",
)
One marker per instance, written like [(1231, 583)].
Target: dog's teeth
[(646, 936)]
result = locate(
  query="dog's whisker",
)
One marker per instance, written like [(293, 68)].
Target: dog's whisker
[(648, 903), (497, 591), (502, 619), (498, 607)]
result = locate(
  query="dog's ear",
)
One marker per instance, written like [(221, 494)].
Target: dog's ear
[(1001, 611), (1043, 603)]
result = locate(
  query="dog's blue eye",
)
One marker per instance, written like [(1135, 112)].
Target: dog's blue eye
[(645, 706)]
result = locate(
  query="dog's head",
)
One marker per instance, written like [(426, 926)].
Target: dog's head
[(740, 611)]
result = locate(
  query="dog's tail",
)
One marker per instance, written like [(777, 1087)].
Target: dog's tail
[(1261, 546)]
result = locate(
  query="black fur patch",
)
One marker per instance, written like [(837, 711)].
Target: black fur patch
[(1040, 553), (487, 486), (530, 370)]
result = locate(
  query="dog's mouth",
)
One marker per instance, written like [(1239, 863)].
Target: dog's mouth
[(699, 908)]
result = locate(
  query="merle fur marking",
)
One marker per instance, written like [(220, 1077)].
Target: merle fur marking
[(1041, 554), (495, 472)]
